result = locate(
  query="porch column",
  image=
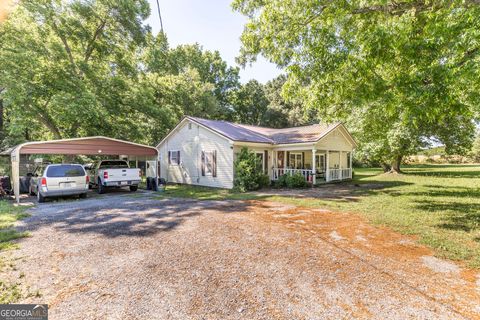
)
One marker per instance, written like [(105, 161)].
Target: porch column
[(314, 169), (340, 156), (350, 164), (284, 161), (327, 169), (272, 162)]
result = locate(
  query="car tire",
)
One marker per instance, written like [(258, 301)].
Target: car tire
[(40, 198), (83, 195), (101, 188), (133, 188)]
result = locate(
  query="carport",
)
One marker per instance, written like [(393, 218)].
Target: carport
[(98, 145)]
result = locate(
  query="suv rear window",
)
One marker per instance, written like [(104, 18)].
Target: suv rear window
[(65, 170), (114, 164)]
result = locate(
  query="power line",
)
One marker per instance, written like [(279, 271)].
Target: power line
[(160, 17)]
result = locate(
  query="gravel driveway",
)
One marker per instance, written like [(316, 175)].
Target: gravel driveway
[(137, 257)]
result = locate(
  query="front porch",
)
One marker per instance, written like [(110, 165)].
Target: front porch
[(316, 166)]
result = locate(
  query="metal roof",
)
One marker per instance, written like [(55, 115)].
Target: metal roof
[(248, 133), (97, 145)]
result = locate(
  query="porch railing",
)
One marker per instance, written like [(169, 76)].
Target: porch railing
[(339, 174), (307, 174), (332, 174), (346, 173)]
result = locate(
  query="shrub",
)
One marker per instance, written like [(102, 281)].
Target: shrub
[(281, 182), (248, 175), (296, 181), (291, 181), (263, 181)]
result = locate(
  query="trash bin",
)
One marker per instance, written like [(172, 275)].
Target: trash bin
[(153, 184), (162, 184)]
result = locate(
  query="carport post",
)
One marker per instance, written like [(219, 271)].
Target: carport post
[(15, 158)]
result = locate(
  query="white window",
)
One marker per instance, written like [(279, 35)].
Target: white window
[(320, 162), (174, 157), (295, 160)]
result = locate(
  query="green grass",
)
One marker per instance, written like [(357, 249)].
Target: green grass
[(9, 214), (205, 193), (440, 204)]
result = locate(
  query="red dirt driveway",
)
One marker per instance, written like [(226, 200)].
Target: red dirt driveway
[(127, 257)]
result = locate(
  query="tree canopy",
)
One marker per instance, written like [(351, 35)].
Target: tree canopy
[(80, 68), (400, 73)]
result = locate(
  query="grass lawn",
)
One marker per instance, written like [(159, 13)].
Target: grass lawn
[(8, 215), (438, 203)]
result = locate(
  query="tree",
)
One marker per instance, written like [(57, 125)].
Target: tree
[(79, 68), (281, 113), (249, 103), (67, 66), (475, 152), (398, 72), (211, 69)]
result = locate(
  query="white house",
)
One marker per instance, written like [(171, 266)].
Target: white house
[(202, 152)]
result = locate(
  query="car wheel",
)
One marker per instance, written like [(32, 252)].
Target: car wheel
[(40, 198), (83, 195), (101, 188), (133, 188)]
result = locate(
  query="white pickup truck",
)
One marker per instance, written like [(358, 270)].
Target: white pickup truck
[(113, 173)]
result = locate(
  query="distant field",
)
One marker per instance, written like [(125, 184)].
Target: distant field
[(438, 203)]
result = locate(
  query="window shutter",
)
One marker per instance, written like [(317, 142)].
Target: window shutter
[(266, 161), (214, 169), (178, 157), (203, 163), (288, 158), (303, 160), (169, 161)]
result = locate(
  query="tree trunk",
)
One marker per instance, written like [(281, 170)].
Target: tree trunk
[(386, 167), (396, 165)]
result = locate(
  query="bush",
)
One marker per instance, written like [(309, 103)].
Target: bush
[(248, 175), (281, 182), (291, 181), (296, 181), (263, 181)]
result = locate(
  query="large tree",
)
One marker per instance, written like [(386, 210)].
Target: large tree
[(280, 112), (249, 103), (67, 66), (90, 67), (400, 72)]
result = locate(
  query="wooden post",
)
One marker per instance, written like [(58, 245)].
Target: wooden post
[(351, 167), (327, 169), (340, 174), (314, 169)]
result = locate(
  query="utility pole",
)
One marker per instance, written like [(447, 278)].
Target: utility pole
[(160, 17)]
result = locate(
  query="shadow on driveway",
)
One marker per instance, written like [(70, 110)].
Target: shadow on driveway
[(123, 215)]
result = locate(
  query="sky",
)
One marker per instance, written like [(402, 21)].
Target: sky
[(212, 24)]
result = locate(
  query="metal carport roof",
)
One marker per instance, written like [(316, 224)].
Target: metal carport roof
[(97, 145)]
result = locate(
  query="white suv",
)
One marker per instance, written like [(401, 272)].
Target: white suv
[(60, 180)]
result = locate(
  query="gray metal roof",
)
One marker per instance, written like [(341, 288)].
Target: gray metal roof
[(247, 133)]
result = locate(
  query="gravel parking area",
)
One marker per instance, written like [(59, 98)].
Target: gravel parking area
[(127, 256)]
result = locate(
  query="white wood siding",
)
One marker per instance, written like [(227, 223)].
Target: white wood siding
[(334, 141), (191, 141)]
